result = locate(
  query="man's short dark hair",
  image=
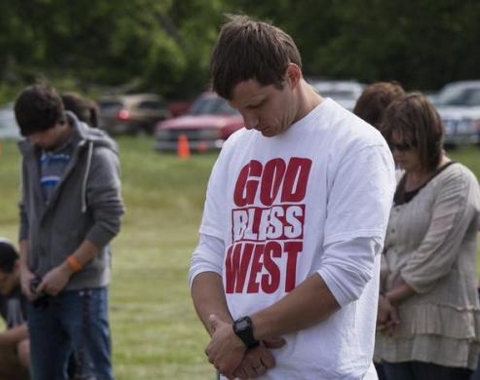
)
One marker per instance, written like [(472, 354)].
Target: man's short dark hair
[(248, 49), (8, 256), (38, 108)]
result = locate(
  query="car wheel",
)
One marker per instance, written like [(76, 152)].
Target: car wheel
[(137, 130)]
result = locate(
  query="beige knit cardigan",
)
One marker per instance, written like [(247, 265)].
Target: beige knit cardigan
[(431, 243)]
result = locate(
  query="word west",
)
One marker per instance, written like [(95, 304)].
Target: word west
[(267, 226)]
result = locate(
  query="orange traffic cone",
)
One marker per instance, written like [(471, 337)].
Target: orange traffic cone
[(183, 147)]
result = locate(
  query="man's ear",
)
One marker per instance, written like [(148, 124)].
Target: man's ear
[(294, 74)]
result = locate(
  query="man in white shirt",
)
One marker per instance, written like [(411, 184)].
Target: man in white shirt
[(285, 275)]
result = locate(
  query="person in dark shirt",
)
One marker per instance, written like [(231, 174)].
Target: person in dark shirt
[(14, 341)]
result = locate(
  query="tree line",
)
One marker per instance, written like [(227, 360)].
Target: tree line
[(164, 45)]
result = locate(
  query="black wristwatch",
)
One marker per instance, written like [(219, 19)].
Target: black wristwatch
[(243, 328)]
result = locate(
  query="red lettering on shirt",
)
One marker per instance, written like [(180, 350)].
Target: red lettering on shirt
[(289, 180), (267, 226), (268, 263)]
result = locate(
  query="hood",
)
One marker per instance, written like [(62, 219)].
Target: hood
[(87, 134)]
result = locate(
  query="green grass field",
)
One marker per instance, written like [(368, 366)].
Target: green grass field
[(156, 334)]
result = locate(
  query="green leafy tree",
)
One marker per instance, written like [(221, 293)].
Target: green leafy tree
[(156, 45), (164, 45), (423, 44)]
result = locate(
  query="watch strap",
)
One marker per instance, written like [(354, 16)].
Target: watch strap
[(243, 328)]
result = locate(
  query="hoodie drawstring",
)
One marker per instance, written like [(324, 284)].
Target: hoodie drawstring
[(87, 171)]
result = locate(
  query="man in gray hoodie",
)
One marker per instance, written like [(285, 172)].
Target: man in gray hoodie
[(70, 210)]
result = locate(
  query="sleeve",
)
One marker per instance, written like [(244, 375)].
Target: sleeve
[(207, 257), (24, 226), (104, 196), (214, 212), (360, 195), (349, 266), (452, 215), (357, 216), (23, 230)]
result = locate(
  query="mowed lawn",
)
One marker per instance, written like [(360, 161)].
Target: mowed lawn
[(156, 334)]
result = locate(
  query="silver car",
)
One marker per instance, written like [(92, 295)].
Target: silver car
[(344, 92), (132, 114), (8, 125), (458, 104)]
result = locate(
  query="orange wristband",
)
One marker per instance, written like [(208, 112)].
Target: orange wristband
[(73, 263)]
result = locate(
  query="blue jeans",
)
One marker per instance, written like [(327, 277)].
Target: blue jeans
[(73, 322), (415, 370)]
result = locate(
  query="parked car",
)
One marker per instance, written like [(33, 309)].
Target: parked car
[(132, 114), (343, 92), (458, 104), (207, 124), (178, 107), (8, 124)]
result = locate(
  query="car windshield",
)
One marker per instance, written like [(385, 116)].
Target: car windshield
[(459, 96), (109, 105), (209, 105)]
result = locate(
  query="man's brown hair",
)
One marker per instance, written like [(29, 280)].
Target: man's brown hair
[(248, 49)]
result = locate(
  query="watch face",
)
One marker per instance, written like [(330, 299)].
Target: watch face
[(244, 330), (242, 324)]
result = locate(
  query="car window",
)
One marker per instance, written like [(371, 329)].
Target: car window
[(222, 107), (150, 105), (472, 97), (109, 105), (459, 96), (211, 106), (338, 89), (197, 106)]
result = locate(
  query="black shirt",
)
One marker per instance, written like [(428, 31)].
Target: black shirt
[(401, 196)]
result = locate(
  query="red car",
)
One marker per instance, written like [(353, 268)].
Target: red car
[(206, 125)]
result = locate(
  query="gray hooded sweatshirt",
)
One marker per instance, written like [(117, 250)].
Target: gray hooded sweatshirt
[(86, 204)]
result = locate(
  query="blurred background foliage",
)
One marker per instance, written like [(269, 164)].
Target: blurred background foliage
[(163, 46)]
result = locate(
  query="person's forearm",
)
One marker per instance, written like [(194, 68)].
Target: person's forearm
[(14, 335), (23, 252), (209, 298), (308, 304), (399, 292), (82, 255)]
